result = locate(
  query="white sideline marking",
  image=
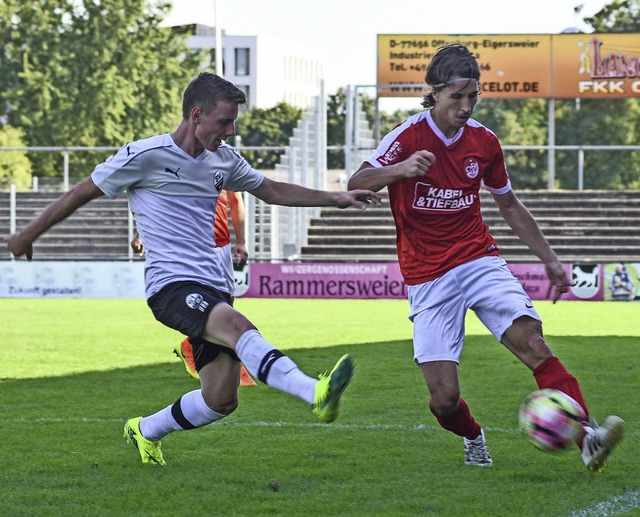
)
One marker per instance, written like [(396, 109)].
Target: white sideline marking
[(262, 423), (617, 505), (258, 423)]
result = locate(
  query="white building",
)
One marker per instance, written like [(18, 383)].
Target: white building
[(268, 70)]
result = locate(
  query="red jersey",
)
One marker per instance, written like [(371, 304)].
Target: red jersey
[(221, 221), (438, 221)]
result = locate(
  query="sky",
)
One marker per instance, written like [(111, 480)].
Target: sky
[(347, 31)]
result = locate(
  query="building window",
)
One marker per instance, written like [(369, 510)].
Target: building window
[(213, 62), (245, 89), (242, 61)]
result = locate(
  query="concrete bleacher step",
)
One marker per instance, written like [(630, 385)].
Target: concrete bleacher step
[(593, 226)]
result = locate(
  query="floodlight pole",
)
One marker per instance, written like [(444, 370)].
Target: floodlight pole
[(219, 68)]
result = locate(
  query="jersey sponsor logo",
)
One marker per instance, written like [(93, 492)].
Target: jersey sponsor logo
[(428, 197), (175, 173), (392, 153), (196, 301), (471, 168)]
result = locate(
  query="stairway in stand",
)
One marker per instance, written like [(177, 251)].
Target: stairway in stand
[(582, 227)]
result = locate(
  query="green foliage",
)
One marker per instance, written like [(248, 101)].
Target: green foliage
[(598, 122), (90, 74), (67, 389), (267, 127), (601, 121), (617, 16), (519, 122), (15, 167), (336, 123)]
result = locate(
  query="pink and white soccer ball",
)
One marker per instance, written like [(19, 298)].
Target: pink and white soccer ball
[(551, 420)]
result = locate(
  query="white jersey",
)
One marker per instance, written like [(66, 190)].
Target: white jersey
[(173, 197)]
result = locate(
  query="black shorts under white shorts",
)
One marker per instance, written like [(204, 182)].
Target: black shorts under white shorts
[(185, 307)]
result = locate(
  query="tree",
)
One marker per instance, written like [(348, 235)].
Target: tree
[(90, 73), (602, 121), (519, 122), (336, 120), (267, 127), (15, 167), (618, 16)]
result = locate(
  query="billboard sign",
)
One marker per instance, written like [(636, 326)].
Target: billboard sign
[(517, 66)]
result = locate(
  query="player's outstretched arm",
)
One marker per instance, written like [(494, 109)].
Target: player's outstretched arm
[(21, 242), (288, 194)]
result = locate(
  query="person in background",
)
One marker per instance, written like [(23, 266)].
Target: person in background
[(172, 181), (621, 284), (433, 166), (232, 257)]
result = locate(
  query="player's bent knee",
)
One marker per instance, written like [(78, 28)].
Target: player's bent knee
[(443, 406), (225, 408), (222, 403)]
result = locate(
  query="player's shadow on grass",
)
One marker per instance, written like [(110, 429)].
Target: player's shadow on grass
[(121, 393)]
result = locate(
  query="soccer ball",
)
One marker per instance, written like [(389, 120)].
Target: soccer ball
[(551, 420)]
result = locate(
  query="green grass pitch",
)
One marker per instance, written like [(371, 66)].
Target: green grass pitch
[(73, 370)]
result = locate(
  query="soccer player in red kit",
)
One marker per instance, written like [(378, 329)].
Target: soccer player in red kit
[(433, 166)]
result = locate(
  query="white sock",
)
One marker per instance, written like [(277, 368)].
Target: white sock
[(188, 412), (269, 365)]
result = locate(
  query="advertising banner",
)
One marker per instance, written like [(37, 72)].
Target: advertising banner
[(21, 279), (604, 66), (383, 280), (518, 66), (511, 66)]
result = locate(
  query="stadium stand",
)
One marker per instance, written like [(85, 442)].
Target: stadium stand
[(583, 227), (97, 231)]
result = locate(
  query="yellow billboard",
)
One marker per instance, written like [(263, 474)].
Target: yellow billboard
[(519, 65), (596, 65)]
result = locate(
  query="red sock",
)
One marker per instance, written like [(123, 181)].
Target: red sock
[(460, 422), (553, 374)]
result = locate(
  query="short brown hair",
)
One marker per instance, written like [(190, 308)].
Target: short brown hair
[(206, 90)]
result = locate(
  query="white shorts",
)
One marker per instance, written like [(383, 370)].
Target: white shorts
[(438, 307), (226, 261)]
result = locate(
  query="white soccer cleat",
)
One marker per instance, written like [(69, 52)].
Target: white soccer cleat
[(599, 442), (476, 452)]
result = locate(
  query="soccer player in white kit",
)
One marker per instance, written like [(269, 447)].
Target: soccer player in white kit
[(229, 257), (172, 182), (433, 166)]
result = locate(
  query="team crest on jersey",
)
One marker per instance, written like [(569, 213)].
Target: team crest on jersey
[(218, 180), (471, 168)]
